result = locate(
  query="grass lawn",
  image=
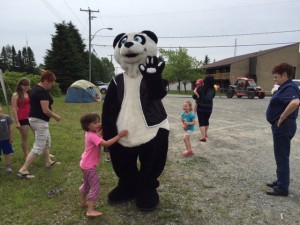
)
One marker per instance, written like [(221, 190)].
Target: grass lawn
[(26, 201)]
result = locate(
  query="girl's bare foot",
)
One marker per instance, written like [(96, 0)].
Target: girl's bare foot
[(83, 203), (93, 213)]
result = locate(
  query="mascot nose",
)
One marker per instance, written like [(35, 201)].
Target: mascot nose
[(128, 44)]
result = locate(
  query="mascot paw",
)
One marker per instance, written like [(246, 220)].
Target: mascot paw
[(119, 195), (147, 201), (153, 66)]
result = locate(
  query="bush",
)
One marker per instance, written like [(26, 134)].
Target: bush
[(11, 79)]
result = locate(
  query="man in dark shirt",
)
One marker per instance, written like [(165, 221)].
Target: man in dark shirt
[(282, 113)]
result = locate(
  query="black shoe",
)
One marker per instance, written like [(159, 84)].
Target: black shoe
[(147, 201), (273, 184), (276, 191), (119, 195)]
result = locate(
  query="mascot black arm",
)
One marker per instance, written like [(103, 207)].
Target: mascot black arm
[(152, 73), (110, 112)]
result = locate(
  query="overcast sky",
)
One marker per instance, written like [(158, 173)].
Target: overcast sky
[(203, 27)]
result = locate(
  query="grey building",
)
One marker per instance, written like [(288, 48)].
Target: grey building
[(256, 65)]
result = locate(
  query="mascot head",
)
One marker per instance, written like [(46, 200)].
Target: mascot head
[(131, 50)]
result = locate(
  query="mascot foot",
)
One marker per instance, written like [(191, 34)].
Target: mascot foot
[(119, 195), (147, 201)]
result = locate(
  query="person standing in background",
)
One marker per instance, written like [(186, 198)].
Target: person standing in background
[(6, 139), (196, 95), (282, 113), (207, 93), (39, 116), (20, 106)]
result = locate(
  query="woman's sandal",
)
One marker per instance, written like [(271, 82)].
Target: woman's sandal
[(25, 176), (54, 192), (202, 139), (187, 153)]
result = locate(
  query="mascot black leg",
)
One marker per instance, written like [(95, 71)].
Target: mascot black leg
[(124, 161), (152, 156)]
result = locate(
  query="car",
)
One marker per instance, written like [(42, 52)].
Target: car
[(98, 82), (276, 86), (245, 87), (103, 87)]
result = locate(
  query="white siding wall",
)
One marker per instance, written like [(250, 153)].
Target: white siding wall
[(173, 86)]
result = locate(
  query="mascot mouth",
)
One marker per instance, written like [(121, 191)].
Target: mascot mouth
[(131, 55)]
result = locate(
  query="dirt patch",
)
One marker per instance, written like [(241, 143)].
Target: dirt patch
[(224, 182)]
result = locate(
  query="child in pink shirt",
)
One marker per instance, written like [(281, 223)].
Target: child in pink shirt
[(90, 122)]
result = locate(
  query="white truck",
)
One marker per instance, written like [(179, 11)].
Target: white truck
[(103, 87)]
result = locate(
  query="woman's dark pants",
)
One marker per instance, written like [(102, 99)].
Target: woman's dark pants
[(282, 137)]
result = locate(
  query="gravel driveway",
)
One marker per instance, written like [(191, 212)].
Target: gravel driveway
[(224, 182)]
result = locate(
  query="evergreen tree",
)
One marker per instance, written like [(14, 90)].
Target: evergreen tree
[(79, 44), (206, 60), (30, 61), (4, 60), (14, 59), (25, 58), (20, 62), (108, 70), (102, 69), (67, 57), (6, 57)]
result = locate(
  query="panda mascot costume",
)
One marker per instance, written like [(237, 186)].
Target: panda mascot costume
[(133, 103)]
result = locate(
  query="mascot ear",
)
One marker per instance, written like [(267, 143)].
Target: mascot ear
[(117, 39), (151, 35)]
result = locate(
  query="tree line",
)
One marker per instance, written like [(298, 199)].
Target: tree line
[(18, 61), (68, 59)]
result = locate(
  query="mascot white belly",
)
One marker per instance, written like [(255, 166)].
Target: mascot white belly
[(131, 116)]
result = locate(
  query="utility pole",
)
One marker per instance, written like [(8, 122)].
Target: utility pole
[(90, 40), (111, 56), (235, 45)]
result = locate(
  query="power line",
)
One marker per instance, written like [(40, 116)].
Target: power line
[(230, 35), (221, 35), (205, 10), (74, 14), (52, 9), (217, 46), (100, 15), (230, 46), (95, 52)]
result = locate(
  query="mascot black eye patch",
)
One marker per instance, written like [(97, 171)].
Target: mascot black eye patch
[(137, 38)]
